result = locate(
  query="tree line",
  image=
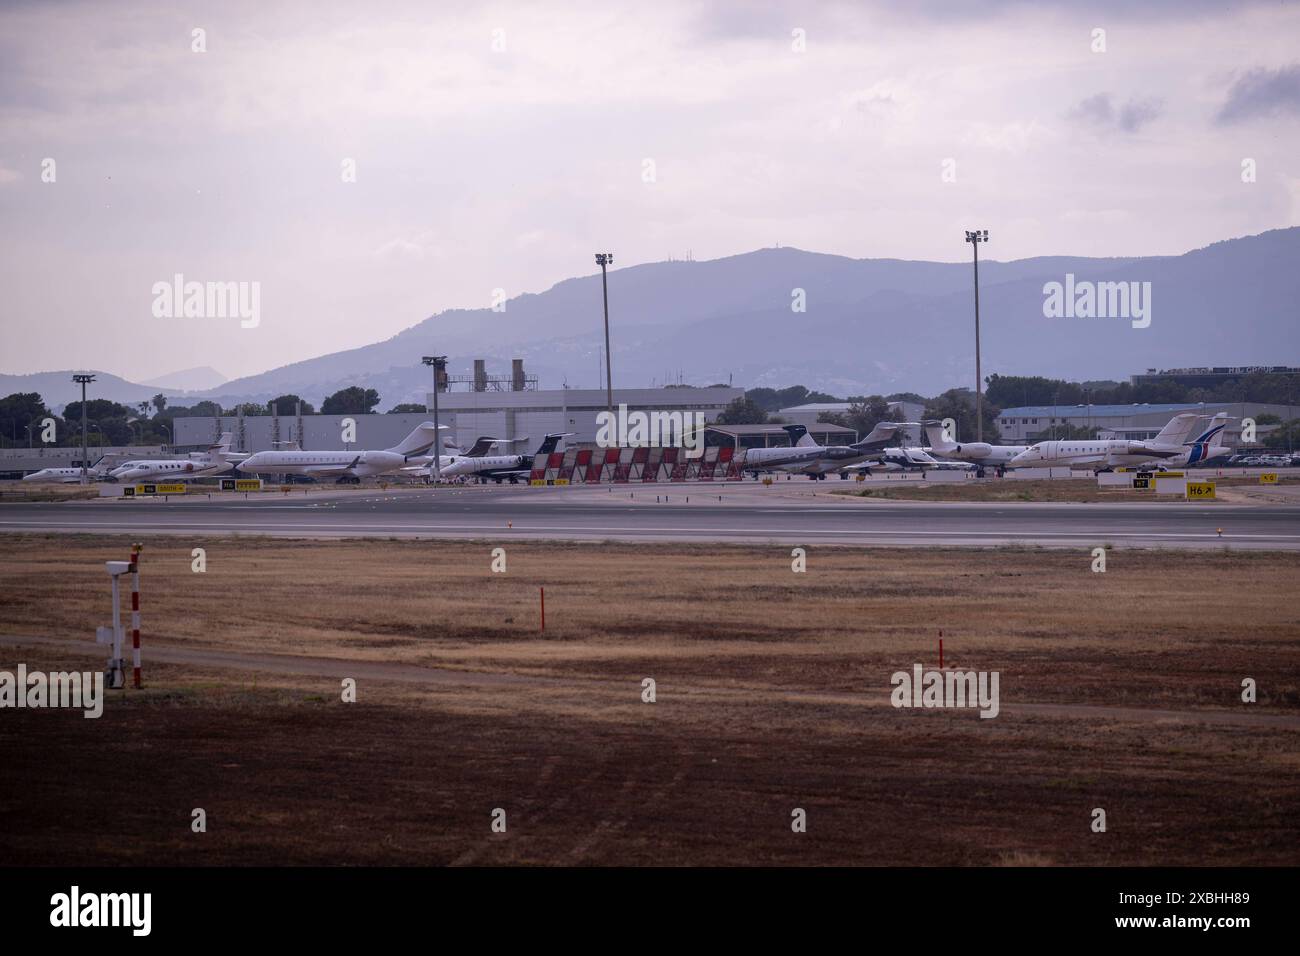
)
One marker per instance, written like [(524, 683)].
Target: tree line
[(759, 405), (23, 417)]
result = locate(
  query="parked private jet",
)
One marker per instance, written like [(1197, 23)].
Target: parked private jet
[(66, 475), (501, 468), (804, 456), (980, 454), (1104, 454), (421, 466), (346, 466), (215, 460)]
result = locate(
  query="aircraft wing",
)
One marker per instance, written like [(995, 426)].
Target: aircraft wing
[(325, 471)]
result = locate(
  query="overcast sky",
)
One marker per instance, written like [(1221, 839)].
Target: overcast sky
[(480, 168)]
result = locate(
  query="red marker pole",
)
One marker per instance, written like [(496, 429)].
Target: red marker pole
[(135, 613), (543, 590)]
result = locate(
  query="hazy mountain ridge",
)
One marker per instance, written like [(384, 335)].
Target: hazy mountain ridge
[(871, 325)]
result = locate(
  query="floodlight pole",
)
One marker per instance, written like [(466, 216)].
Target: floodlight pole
[(439, 363), (975, 238), (604, 259), (83, 380)]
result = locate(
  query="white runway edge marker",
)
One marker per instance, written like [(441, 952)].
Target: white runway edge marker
[(103, 909), (115, 635)]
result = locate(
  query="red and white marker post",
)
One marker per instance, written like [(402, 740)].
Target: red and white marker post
[(135, 613)]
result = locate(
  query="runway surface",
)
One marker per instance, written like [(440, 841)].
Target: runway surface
[(699, 513)]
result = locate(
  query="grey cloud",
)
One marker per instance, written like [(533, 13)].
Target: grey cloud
[(1135, 114), (1099, 111), (1263, 93)]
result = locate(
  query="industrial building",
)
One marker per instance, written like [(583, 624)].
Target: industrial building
[(1033, 423), (1208, 377), (505, 407), (534, 413), (254, 433)]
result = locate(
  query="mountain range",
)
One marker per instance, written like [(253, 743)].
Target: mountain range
[(869, 326)]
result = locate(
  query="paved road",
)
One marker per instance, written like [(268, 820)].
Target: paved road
[(743, 515)]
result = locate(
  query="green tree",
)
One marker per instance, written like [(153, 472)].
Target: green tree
[(159, 402), (249, 409), (288, 405), (742, 411), (774, 399), (407, 408), (17, 412), (862, 416), (1287, 436), (97, 409), (959, 404), (353, 400)]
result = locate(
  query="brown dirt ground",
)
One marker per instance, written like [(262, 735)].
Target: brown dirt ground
[(740, 647)]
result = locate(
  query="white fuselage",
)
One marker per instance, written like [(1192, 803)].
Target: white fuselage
[(1095, 453), (355, 464), (978, 453), (423, 465), (171, 469), (66, 475)]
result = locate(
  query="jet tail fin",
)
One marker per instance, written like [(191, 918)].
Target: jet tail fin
[(483, 444), (799, 437), (1176, 429), (1213, 434), (1209, 442), (879, 436), (549, 443), (935, 436), (419, 441)]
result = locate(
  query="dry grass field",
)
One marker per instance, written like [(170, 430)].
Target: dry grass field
[(1118, 690), (1060, 489)]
